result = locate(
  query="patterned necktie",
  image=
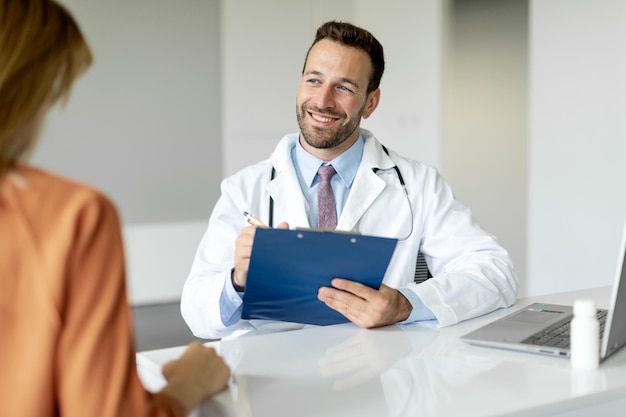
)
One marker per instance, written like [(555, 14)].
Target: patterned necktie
[(327, 212)]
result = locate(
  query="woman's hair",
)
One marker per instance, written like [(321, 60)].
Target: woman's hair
[(42, 52), (355, 37)]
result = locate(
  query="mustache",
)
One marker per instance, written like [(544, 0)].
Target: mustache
[(325, 112)]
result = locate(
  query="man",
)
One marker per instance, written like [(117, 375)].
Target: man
[(472, 274)]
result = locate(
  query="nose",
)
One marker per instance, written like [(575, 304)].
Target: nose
[(325, 98)]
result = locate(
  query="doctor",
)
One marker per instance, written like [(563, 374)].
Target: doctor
[(376, 191)]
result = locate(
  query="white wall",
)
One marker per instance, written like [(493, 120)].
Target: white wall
[(485, 117), (412, 32), (577, 143), (159, 257), (144, 125)]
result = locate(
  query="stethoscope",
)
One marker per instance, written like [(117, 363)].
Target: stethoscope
[(400, 179)]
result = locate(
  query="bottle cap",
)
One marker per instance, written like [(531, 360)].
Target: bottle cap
[(584, 308)]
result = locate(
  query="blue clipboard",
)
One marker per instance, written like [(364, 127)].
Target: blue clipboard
[(287, 267)]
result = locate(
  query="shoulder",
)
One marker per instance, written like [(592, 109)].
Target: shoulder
[(56, 214), (62, 197)]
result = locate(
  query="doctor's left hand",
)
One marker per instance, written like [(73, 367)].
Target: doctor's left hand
[(365, 306)]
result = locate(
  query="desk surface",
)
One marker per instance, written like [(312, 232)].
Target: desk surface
[(410, 370)]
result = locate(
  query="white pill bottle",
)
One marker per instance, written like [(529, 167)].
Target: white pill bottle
[(585, 336)]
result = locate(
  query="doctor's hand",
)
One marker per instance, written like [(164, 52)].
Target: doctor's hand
[(243, 250), (365, 306)]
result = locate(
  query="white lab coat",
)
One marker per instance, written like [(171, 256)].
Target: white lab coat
[(472, 273)]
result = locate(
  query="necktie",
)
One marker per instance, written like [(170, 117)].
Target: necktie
[(327, 212)]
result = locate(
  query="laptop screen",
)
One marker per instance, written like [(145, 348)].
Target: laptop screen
[(615, 331)]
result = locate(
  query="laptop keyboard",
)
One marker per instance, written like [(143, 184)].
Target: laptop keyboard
[(558, 334)]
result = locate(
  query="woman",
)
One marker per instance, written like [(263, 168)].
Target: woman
[(66, 346)]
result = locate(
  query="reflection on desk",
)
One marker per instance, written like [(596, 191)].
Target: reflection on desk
[(408, 370), (323, 371)]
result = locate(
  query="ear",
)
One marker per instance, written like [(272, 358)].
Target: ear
[(372, 102)]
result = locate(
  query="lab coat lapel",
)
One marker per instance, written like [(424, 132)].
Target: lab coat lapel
[(366, 188), (367, 185), (289, 204)]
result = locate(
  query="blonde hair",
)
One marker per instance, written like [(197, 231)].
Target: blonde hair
[(42, 52)]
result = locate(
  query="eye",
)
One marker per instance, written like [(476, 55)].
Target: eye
[(345, 89)]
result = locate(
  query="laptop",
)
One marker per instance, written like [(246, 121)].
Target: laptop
[(544, 328)]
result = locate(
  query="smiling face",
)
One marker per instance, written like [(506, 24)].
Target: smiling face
[(332, 98)]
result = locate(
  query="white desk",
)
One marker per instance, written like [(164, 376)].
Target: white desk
[(411, 370)]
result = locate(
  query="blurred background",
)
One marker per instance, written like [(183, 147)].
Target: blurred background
[(519, 103)]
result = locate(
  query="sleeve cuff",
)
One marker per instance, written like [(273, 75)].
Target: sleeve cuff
[(420, 312), (230, 303)]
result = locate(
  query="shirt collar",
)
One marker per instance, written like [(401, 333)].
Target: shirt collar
[(346, 164)]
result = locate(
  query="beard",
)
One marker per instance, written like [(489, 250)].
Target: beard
[(326, 138)]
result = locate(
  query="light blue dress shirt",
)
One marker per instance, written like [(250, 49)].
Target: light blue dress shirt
[(306, 166)]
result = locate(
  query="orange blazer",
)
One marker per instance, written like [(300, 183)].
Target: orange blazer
[(66, 345)]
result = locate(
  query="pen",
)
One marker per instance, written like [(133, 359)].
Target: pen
[(254, 220)]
